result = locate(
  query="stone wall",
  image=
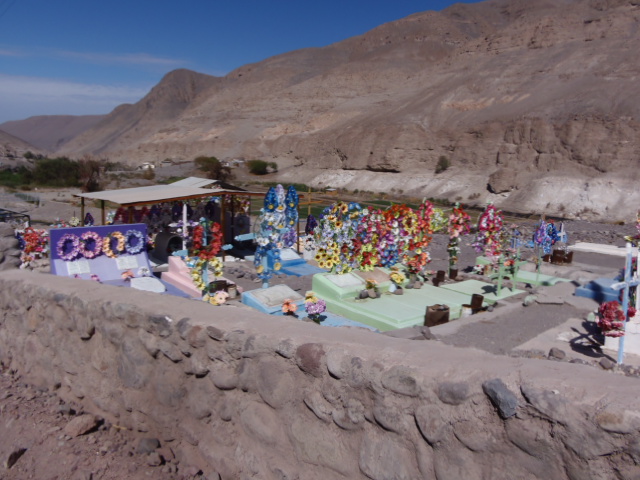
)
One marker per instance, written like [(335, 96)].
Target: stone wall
[(246, 395)]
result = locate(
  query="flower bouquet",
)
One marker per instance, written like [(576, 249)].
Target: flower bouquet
[(397, 280), (370, 289), (314, 307), (611, 318), (289, 307)]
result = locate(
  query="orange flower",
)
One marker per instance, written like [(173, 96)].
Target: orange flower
[(288, 307)]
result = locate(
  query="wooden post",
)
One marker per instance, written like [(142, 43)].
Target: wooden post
[(222, 224), (82, 210), (104, 217)]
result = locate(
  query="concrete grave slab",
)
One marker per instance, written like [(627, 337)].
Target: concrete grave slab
[(269, 300), (488, 290)]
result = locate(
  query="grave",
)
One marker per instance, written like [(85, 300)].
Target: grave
[(389, 312), (269, 300), (293, 264), (106, 269), (599, 290), (179, 275), (488, 290)]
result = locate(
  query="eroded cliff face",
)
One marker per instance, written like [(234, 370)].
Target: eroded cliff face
[(516, 94)]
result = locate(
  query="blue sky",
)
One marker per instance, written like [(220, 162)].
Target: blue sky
[(72, 57)]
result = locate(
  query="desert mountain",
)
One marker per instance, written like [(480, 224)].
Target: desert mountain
[(12, 151), (50, 132), (535, 103)]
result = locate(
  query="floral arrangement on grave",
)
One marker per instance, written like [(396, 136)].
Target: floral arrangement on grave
[(203, 257), (397, 277), (371, 286), (439, 220), (334, 237), (314, 306), (290, 236), (635, 239), (217, 298), (33, 243), (542, 241), (459, 224), (272, 225), (490, 237), (289, 307), (611, 318), (88, 220), (74, 221), (237, 204)]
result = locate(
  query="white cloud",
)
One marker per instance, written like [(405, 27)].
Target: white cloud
[(26, 96), (125, 58)]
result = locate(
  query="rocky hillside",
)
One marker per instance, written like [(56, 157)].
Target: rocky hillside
[(12, 150), (50, 132), (534, 103)]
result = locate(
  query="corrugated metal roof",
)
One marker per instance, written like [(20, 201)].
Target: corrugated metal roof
[(164, 193), (196, 182)]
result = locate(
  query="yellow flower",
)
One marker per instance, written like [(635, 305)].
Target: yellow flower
[(322, 264), (260, 269), (318, 257), (277, 266)]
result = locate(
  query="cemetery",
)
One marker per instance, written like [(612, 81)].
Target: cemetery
[(319, 347)]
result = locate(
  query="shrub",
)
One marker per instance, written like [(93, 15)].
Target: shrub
[(273, 166), (443, 164), (258, 167), (213, 168)]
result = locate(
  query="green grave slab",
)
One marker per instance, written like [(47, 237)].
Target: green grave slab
[(540, 279), (388, 312), (488, 290)]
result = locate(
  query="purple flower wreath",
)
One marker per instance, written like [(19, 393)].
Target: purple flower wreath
[(61, 247), (85, 240)]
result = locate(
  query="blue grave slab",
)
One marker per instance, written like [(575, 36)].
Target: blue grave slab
[(599, 290), (269, 300), (299, 268)]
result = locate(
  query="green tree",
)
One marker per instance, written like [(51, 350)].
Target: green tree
[(213, 168), (258, 167)]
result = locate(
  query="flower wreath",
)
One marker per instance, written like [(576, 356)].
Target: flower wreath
[(120, 247), (75, 247), (84, 241), (138, 247)]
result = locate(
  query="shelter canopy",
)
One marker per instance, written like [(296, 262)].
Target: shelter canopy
[(186, 189)]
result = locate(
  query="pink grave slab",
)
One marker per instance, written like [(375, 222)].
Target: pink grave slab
[(179, 275)]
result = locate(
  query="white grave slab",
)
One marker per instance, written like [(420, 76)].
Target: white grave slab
[(602, 249), (149, 284), (276, 295)]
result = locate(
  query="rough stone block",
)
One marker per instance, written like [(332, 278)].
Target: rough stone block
[(453, 393), (383, 457), (400, 379), (310, 358), (504, 399)]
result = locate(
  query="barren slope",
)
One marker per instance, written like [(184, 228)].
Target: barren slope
[(533, 101)]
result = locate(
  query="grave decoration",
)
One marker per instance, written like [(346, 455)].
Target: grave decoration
[(88, 220), (397, 281), (314, 306), (335, 234), (34, 245), (203, 257), (110, 254), (611, 318), (635, 239), (489, 240), (277, 227), (289, 307), (459, 224), (349, 237)]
